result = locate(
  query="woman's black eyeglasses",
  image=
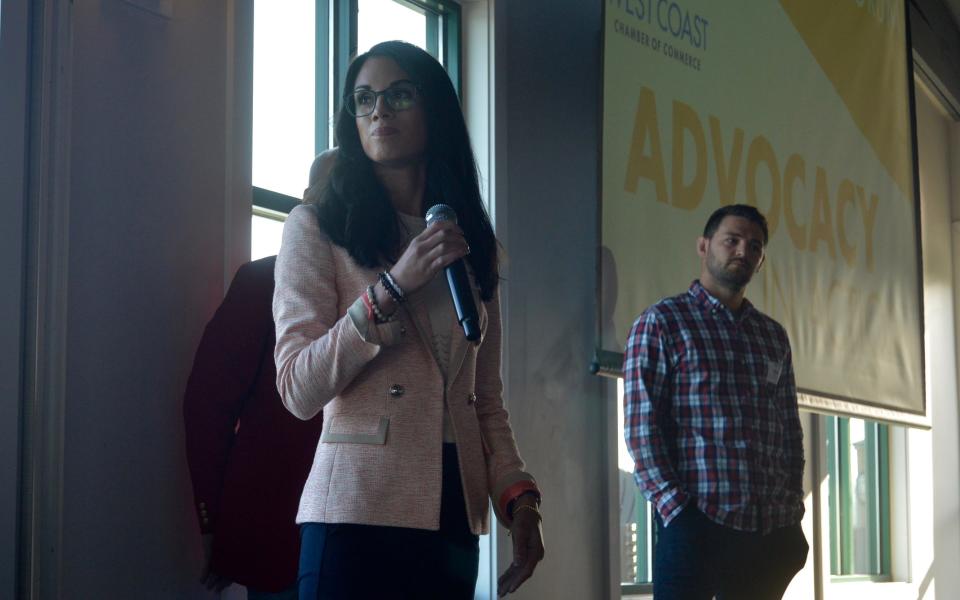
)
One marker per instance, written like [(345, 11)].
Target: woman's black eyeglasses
[(401, 95)]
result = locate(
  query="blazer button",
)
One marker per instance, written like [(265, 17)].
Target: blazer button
[(471, 399), (396, 390)]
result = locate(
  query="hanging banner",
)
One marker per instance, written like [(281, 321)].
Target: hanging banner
[(802, 109)]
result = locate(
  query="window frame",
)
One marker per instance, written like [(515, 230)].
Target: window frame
[(646, 522), (840, 500), (644, 517)]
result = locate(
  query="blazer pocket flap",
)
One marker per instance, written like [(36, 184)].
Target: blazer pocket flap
[(356, 429)]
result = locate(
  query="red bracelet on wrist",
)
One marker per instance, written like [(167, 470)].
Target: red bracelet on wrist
[(515, 491), (366, 302)]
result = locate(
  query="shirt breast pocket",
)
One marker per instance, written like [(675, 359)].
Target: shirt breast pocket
[(702, 373)]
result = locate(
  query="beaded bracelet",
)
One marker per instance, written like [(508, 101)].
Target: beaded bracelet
[(380, 318), (395, 285), (392, 288)]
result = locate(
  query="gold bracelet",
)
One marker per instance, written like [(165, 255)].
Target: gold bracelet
[(528, 507)]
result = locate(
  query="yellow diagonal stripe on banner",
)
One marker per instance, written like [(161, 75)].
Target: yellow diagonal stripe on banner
[(861, 47)]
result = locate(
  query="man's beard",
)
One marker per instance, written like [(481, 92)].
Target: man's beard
[(734, 280)]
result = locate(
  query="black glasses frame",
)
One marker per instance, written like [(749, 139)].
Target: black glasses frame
[(350, 107)]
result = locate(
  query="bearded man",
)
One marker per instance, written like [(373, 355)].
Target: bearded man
[(711, 421)]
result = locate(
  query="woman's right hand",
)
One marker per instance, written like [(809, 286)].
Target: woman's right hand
[(439, 245)]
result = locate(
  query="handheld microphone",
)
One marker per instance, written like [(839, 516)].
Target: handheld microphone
[(457, 280)]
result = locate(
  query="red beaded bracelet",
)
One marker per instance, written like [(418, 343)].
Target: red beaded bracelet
[(379, 317)]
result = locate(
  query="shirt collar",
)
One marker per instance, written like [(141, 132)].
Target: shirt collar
[(708, 301)]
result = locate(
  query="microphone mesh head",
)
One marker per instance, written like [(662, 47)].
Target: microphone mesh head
[(441, 212)]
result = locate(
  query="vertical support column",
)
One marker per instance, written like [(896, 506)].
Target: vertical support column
[(323, 99), (14, 112), (344, 44), (238, 149), (47, 246)]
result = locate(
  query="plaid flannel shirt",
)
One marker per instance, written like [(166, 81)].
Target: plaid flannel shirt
[(711, 413)]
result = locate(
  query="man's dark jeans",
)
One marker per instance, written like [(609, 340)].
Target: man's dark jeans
[(697, 559)]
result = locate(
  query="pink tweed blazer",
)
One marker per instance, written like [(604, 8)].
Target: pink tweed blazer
[(378, 461)]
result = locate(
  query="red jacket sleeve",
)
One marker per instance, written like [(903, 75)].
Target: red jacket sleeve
[(224, 370)]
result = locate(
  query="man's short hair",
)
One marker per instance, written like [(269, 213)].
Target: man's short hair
[(746, 211)]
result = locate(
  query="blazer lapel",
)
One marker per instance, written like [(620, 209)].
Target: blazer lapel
[(459, 343), (421, 320)]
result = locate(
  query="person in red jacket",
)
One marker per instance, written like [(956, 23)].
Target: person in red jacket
[(248, 456)]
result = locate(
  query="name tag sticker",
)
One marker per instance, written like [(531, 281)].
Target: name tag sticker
[(773, 371)]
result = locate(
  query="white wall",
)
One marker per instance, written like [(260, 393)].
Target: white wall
[(547, 138), (937, 158), (153, 229)]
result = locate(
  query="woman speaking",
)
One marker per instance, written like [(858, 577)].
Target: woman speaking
[(415, 437)]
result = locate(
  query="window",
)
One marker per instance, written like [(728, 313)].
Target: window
[(283, 95), (301, 52), (859, 498), (636, 523), (266, 232), (378, 20)]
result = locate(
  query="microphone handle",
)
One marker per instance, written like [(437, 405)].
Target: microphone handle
[(463, 300)]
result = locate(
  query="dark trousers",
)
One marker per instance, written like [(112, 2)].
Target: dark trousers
[(355, 562), (697, 559)]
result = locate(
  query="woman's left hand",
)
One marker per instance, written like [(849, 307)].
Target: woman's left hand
[(527, 546)]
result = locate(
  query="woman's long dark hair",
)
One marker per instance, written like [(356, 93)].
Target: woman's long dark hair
[(354, 208)]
